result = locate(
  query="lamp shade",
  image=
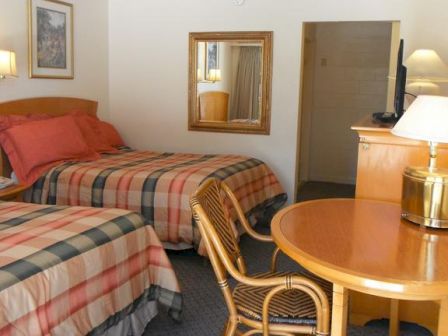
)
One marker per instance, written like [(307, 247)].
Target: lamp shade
[(423, 87), (426, 64), (214, 74), (425, 119), (7, 63)]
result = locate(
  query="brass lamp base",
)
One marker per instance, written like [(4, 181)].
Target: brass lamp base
[(424, 221), (425, 196)]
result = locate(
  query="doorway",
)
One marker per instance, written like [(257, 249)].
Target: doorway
[(345, 68)]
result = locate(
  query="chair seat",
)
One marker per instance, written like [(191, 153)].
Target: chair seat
[(289, 307)]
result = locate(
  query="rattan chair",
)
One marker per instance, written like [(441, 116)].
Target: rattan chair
[(272, 303)]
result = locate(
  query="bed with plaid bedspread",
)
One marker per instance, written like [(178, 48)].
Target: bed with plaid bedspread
[(78, 270), (159, 185)]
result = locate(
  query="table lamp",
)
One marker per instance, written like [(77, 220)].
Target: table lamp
[(425, 71), (425, 189), (214, 75)]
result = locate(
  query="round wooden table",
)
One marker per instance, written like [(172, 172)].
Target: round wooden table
[(364, 245)]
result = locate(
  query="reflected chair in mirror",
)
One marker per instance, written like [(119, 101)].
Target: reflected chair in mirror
[(213, 106), (271, 303)]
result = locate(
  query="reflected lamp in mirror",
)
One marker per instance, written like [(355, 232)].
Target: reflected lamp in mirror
[(425, 70), (7, 64), (230, 82), (214, 75), (425, 189)]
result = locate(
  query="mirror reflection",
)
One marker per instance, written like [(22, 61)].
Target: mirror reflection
[(230, 81), (229, 90)]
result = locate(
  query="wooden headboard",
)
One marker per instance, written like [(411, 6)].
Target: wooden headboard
[(55, 106), (214, 106)]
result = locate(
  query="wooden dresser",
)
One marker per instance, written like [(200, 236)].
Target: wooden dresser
[(381, 160)]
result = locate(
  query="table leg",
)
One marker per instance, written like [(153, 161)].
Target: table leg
[(443, 318), (340, 310), (394, 322)]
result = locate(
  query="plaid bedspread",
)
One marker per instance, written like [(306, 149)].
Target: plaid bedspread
[(67, 270), (159, 185)]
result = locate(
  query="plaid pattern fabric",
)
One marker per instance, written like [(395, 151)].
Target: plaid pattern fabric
[(159, 185), (67, 270)]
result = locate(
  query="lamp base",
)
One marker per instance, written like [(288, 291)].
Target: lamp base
[(425, 196), (424, 221)]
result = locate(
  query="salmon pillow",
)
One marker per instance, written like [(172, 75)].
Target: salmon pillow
[(111, 134), (36, 146), (10, 120), (91, 130)]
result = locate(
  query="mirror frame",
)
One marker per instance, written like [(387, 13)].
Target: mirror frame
[(194, 122)]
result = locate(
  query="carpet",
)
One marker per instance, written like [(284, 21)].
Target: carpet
[(205, 312)]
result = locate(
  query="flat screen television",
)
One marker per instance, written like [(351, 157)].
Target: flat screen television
[(400, 87)]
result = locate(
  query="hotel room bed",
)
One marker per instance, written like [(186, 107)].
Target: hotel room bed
[(80, 270), (157, 185)]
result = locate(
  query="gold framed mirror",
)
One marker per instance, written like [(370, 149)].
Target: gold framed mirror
[(230, 82)]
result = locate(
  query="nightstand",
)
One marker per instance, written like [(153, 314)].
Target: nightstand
[(13, 192)]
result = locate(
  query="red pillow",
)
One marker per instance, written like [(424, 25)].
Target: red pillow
[(10, 120), (78, 113), (36, 146), (38, 116), (111, 134), (91, 131)]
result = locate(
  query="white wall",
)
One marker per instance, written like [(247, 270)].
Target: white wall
[(90, 59), (149, 65)]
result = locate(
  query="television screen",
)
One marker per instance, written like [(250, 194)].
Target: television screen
[(400, 87), (400, 83)]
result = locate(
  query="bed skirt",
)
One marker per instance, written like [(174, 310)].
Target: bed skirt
[(133, 324), (132, 320)]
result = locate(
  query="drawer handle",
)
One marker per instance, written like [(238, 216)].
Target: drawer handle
[(365, 146)]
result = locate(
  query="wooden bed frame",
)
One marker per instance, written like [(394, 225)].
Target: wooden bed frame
[(55, 106)]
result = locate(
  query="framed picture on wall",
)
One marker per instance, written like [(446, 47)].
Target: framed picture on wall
[(50, 52), (211, 58)]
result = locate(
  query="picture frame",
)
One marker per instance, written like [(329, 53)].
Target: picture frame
[(211, 58), (50, 30)]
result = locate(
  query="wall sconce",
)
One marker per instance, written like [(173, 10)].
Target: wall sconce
[(7, 64), (214, 75), (425, 70)]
